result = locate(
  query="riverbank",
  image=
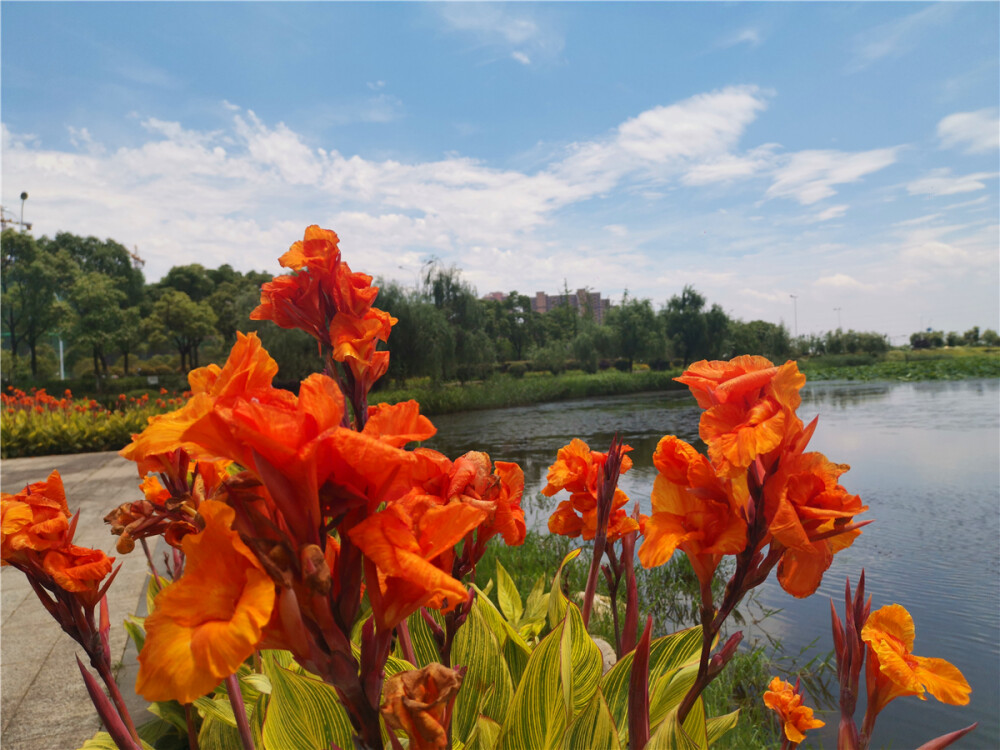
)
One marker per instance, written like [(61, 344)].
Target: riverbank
[(503, 390)]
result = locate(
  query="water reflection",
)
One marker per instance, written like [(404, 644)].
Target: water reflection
[(924, 456)]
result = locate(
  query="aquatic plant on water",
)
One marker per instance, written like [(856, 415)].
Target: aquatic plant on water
[(316, 591)]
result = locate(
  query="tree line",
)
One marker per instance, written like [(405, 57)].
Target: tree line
[(92, 295)]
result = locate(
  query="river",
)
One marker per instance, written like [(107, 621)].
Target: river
[(925, 457)]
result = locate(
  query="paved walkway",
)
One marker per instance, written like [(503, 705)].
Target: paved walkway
[(45, 705)]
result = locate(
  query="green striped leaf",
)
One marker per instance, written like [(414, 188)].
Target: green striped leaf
[(218, 710), (538, 717), (671, 736), (136, 629), (487, 688), (103, 741), (152, 589), (510, 600), (719, 725), (485, 735), (303, 712), (593, 728), (514, 646), (557, 600), (424, 647), (538, 602), (668, 692), (667, 655)]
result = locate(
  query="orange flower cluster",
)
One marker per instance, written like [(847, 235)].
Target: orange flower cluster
[(758, 486), (301, 507), (36, 536), (579, 470), (327, 300), (796, 718)]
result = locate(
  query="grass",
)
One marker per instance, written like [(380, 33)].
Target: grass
[(503, 390), (911, 366)]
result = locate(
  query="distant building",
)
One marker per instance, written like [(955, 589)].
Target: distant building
[(496, 296), (583, 301)]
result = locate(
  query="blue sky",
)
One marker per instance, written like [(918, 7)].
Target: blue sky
[(843, 153)]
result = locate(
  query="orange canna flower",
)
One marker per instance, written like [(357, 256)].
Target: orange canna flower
[(811, 514), (893, 670), (749, 408), (36, 518), (209, 621), (78, 569), (472, 479), (578, 470), (398, 424), (420, 701), (248, 370), (693, 510), (411, 543), (322, 289), (796, 718)]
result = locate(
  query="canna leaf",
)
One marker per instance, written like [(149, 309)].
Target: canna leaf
[(719, 725), (557, 599), (593, 728), (538, 715), (487, 687), (667, 655), (303, 712), (510, 600)]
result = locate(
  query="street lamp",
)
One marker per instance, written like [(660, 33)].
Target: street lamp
[(24, 197), (837, 310), (795, 310)]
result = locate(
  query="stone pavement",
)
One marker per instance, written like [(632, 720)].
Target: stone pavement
[(45, 705)]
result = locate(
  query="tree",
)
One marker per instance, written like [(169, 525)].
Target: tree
[(422, 341), (464, 312), (685, 324), (990, 337), (96, 304), (636, 329), (971, 337), (129, 336), (760, 337), (181, 320), (105, 257), (191, 279), (32, 274)]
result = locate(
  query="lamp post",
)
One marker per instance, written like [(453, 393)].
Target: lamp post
[(795, 311), (837, 310), (24, 197)]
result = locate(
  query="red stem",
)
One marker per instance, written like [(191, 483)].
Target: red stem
[(104, 670), (239, 711)]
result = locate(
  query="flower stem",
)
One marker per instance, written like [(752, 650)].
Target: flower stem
[(239, 711), (104, 670)]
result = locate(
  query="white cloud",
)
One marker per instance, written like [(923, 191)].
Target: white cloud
[(896, 38), (809, 176), (618, 230), (833, 212), (509, 27), (935, 253), (750, 35), (728, 167), (941, 182), (843, 281), (704, 125), (975, 132)]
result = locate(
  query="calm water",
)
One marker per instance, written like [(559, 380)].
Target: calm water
[(924, 456)]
